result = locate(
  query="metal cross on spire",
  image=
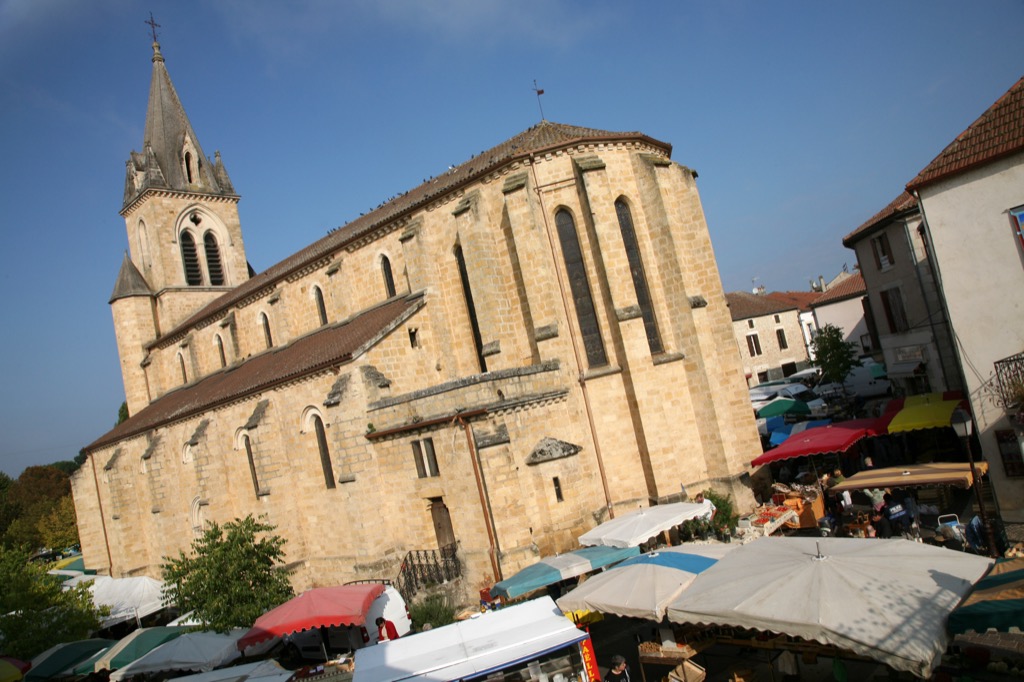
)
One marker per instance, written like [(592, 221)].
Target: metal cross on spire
[(539, 93), (152, 25)]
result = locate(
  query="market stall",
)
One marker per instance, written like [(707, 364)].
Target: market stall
[(887, 601), (532, 640), (554, 569)]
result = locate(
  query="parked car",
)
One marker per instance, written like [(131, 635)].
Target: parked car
[(866, 381), (762, 395)]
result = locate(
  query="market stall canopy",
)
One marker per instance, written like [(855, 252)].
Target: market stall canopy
[(553, 569), (783, 406), (913, 476), (71, 563), (887, 600), (838, 437), (200, 651), (9, 672), (259, 671), (127, 598), (471, 648), (134, 646), (629, 530), (925, 411), (641, 587), (997, 601), (782, 433), (55, 660), (319, 607)]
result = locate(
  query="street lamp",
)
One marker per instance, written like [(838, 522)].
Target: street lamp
[(964, 427)]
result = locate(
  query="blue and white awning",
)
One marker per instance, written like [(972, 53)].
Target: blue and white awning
[(556, 568)]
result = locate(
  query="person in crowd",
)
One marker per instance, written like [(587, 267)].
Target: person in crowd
[(883, 529), (896, 514), (619, 672), (699, 499), (386, 630)]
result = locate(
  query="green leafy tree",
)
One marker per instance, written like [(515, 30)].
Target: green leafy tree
[(122, 413), (832, 354), (38, 483), (232, 577), (35, 612), (59, 528)]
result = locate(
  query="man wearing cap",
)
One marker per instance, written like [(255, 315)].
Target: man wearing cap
[(618, 672)]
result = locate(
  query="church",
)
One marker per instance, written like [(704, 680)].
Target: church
[(488, 364)]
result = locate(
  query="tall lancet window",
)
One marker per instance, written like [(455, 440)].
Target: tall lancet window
[(575, 269), (325, 452), (213, 264), (188, 167), (181, 366), (252, 464), (389, 278), (321, 309), (467, 293), (636, 269), (265, 323), (220, 351), (190, 260)]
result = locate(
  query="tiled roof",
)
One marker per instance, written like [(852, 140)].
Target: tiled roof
[(743, 306), (904, 202), (544, 136), (801, 299), (327, 347), (849, 288), (997, 133)]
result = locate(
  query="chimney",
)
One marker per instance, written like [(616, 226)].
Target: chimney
[(821, 283)]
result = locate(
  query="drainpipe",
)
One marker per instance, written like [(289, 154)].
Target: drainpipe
[(485, 504), (582, 378), (103, 521), (924, 294)]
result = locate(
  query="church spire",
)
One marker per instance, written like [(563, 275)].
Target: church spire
[(172, 157)]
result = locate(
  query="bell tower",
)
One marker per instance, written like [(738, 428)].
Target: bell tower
[(184, 234)]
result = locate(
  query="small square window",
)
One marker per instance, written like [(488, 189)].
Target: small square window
[(750, 324)]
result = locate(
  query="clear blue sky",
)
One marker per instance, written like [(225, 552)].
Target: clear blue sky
[(802, 119)]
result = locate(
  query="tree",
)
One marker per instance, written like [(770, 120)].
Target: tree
[(233, 576), (835, 356), (37, 483), (36, 612), (122, 413), (59, 528)]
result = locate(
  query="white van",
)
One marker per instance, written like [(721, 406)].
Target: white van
[(348, 638), (866, 381)]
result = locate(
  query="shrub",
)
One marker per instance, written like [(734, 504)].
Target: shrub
[(434, 609)]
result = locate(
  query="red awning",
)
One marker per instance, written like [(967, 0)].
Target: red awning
[(838, 437), (319, 607)]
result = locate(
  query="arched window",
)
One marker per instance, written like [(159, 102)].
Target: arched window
[(265, 323), (636, 269), (576, 271), (213, 264), (325, 452), (252, 464), (188, 166), (190, 259), (181, 365), (321, 309), (389, 278), (467, 293), (220, 351)]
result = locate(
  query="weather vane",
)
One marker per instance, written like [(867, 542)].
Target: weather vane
[(152, 25), (539, 93)]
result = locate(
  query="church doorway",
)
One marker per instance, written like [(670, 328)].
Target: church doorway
[(442, 523)]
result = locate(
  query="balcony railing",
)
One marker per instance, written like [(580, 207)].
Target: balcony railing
[(1010, 380)]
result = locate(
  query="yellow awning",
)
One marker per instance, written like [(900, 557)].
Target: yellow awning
[(923, 415)]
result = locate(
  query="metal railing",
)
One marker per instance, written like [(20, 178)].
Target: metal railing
[(425, 567), (1010, 380)]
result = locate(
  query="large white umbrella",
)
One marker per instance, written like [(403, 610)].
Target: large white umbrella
[(884, 599), (641, 587), (258, 671), (629, 530), (128, 598), (199, 651)]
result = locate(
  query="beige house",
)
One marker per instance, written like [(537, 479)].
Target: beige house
[(768, 335), (485, 367), (842, 305), (904, 301), (971, 198)]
